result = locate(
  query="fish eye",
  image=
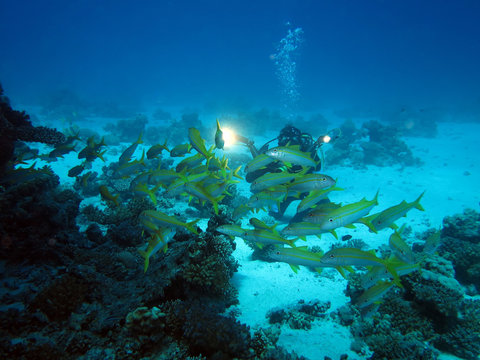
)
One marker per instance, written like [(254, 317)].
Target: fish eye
[(331, 219), (332, 256), (278, 252)]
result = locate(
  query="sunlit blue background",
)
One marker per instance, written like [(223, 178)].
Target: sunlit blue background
[(354, 54)]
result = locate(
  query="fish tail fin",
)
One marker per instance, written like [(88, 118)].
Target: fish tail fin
[(100, 155), (235, 173), (417, 202), (115, 199), (375, 199), (140, 140), (190, 226), (144, 254), (295, 268), (368, 224)]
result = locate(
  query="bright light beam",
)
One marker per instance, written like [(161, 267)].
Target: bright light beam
[(229, 137)]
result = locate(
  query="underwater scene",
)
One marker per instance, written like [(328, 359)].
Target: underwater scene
[(239, 180)]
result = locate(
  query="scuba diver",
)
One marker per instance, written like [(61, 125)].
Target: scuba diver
[(289, 135)]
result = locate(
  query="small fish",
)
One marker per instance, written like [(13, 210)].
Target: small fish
[(345, 215), (387, 217), (314, 197), (190, 162), (262, 237), (291, 154), (198, 143), (230, 230), (156, 150), (259, 224), (303, 229), (161, 219), (61, 150), (240, 211), (142, 190), (258, 162), (219, 142), (130, 168), (158, 241), (374, 294), (92, 150), (180, 150), (311, 182), (128, 153), (400, 247), (163, 176), (262, 200), (76, 170), (106, 195), (432, 243), (271, 179), (296, 256), (195, 189), (341, 257)]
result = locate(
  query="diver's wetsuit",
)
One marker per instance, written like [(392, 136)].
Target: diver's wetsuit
[(289, 135)]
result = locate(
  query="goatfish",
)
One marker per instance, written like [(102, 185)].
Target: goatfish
[(376, 273), (230, 230), (341, 257), (130, 168), (76, 170), (400, 247), (156, 150), (141, 190), (344, 215), (432, 243), (262, 237), (180, 150), (373, 294), (92, 150), (61, 150), (264, 199), (190, 162), (314, 197), (259, 224), (198, 143), (310, 182), (161, 219), (163, 176), (296, 256), (107, 195), (128, 153), (158, 241), (240, 211), (303, 229), (195, 189), (291, 154), (387, 217), (219, 142), (272, 179), (258, 162)]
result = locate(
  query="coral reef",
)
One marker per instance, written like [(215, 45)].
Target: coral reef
[(372, 144), (299, 315), (461, 245), (15, 125), (431, 309)]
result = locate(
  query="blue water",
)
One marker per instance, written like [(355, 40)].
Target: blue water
[(355, 54)]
